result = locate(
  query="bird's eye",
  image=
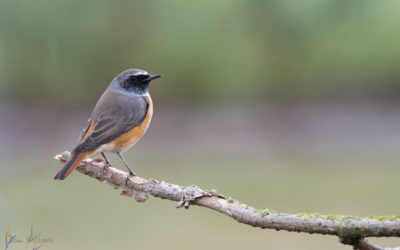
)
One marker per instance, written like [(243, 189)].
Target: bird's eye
[(132, 78)]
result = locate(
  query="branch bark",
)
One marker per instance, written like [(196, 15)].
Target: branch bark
[(350, 229)]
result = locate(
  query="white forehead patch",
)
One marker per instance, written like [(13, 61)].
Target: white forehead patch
[(140, 72)]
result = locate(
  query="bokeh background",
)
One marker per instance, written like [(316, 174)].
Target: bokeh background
[(287, 105)]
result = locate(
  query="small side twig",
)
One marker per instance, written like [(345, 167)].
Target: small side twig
[(362, 244)]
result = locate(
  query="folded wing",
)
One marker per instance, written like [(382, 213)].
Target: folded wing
[(111, 120)]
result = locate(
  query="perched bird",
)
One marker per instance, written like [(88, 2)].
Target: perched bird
[(119, 119)]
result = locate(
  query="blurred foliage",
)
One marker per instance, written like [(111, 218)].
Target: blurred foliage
[(205, 49)]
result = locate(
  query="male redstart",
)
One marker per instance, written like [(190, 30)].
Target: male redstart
[(119, 119)]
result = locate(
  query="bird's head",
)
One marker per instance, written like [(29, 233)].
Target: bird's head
[(135, 81)]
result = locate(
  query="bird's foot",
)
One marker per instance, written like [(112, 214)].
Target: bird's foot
[(131, 174), (106, 166)]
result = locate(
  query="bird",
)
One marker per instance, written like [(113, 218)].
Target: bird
[(119, 119)]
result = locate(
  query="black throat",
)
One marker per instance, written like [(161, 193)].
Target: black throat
[(138, 88)]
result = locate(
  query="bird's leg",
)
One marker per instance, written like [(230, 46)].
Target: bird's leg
[(108, 164), (131, 172)]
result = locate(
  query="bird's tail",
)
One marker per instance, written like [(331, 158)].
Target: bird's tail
[(70, 166)]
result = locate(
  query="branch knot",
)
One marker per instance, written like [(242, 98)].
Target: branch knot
[(190, 194)]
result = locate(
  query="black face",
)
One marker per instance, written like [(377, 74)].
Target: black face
[(138, 83)]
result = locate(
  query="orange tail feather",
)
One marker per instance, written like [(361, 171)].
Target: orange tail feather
[(70, 166)]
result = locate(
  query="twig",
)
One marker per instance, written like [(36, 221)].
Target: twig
[(350, 229), (362, 244)]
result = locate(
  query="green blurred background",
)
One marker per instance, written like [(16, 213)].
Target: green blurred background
[(287, 105)]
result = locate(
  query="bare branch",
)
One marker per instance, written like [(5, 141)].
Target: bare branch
[(350, 229)]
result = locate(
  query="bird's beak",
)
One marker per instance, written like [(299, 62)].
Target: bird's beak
[(152, 77)]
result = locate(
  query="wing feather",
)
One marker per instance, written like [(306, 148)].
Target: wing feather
[(112, 121), (85, 130)]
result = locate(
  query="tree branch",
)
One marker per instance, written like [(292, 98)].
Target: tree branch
[(350, 229)]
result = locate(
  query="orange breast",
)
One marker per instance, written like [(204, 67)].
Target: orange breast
[(127, 140)]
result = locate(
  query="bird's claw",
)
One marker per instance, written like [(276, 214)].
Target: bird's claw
[(106, 166), (131, 174)]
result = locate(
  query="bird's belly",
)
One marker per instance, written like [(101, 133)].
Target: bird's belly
[(127, 140)]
